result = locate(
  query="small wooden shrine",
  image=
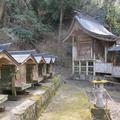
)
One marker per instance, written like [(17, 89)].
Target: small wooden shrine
[(46, 66), (27, 70), (8, 67), (41, 69), (20, 69), (5, 61), (48, 60)]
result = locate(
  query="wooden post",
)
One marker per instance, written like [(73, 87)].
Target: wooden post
[(13, 85), (106, 53), (79, 67), (72, 55), (86, 67), (94, 57)]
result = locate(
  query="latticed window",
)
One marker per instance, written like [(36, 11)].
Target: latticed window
[(84, 67), (76, 63), (76, 67), (90, 68)]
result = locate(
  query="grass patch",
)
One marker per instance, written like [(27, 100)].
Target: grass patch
[(55, 80)]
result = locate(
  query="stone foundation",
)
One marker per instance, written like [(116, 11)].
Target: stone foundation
[(31, 108)]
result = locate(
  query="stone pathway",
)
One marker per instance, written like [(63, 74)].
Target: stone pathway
[(70, 103)]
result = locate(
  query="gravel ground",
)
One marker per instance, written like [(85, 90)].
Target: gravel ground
[(112, 105), (70, 103), (114, 108)]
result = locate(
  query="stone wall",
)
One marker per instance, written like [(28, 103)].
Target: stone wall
[(31, 108)]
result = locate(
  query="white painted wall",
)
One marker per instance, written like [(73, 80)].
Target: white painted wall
[(116, 71), (103, 68)]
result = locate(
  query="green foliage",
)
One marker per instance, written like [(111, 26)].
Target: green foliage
[(25, 22), (36, 16), (23, 34)]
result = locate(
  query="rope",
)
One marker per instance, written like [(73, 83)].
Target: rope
[(107, 116), (114, 82), (109, 95)]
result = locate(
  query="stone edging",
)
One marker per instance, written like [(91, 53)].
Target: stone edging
[(32, 108)]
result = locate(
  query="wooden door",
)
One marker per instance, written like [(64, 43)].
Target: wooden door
[(48, 68), (40, 69), (29, 73), (7, 74)]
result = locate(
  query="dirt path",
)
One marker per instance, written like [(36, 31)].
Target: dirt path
[(70, 103)]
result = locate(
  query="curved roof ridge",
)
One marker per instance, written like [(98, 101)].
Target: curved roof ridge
[(92, 27)]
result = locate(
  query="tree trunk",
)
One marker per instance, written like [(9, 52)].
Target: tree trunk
[(2, 5), (60, 25)]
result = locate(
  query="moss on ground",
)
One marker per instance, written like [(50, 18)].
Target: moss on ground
[(55, 80), (70, 103)]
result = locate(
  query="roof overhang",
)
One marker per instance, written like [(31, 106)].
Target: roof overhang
[(92, 28)]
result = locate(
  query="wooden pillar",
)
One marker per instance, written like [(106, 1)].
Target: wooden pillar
[(35, 72), (13, 88), (51, 68), (73, 55), (86, 67), (106, 51), (79, 67), (94, 58), (92, 50)]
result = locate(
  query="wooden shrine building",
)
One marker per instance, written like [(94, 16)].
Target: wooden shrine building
[(27, 69), (6, 60), (46, 66), (41, 69), (49, 59), (7, 69), (90, 44)]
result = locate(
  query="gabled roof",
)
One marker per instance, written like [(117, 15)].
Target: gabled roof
[(12, 59), (39, 59), (22, 56), (47, 57), (48, 60), (92, 27), (5, 46)]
